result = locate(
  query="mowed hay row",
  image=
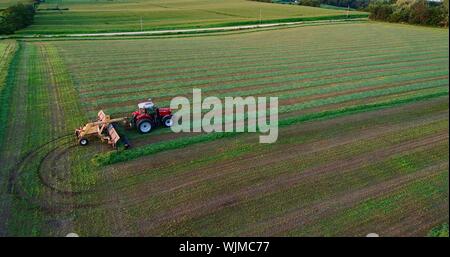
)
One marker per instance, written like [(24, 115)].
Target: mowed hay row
[(275, 63), (315, 172), (306, 71)]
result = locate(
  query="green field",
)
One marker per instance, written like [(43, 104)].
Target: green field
[(363, 144), (122, 15), (6, 3)]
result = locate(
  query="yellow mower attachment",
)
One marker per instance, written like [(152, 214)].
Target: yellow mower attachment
[(102, 128)]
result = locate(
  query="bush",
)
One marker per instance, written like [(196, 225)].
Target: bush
[(421, 12), (16, 17), (380, 11), (354, 4)]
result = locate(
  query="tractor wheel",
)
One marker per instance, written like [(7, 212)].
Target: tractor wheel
[(167, 121), (144, 126), (83, 141)]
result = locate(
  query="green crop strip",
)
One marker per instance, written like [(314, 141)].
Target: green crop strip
[(120, 156)]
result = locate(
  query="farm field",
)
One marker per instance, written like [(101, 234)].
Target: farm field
[(6, 3), (84, 16), (362, 147)]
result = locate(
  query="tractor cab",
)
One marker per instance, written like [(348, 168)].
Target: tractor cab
[(147, 108)]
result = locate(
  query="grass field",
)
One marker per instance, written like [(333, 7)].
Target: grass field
[(363, 144), (6, 3), (122, 15)]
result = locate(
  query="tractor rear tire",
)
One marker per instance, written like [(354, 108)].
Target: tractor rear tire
[(167, 121), (83, 141), (144, 126)]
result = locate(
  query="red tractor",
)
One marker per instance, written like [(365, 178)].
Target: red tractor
[(144, 119), (148, 116)]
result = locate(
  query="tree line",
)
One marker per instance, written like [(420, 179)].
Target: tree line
[(17, 17), (420, 12)]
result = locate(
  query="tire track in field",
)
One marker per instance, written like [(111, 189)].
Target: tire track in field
[(201, 208)]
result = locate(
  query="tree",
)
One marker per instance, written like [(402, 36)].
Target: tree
[(444, 11), (420, 13), (402, 9), (380, 10), (16, 17)]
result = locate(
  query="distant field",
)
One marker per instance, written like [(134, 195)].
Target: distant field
[(363, 144), (6, 3), (117, 15)]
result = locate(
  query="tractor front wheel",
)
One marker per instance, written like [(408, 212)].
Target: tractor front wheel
[(167, 121), (83, 141), (144, 126)]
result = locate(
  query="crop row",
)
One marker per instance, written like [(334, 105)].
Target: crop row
[(173, 81), (119, 156), (293, 90), (151, 64), (112, 57), (275, 82)]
